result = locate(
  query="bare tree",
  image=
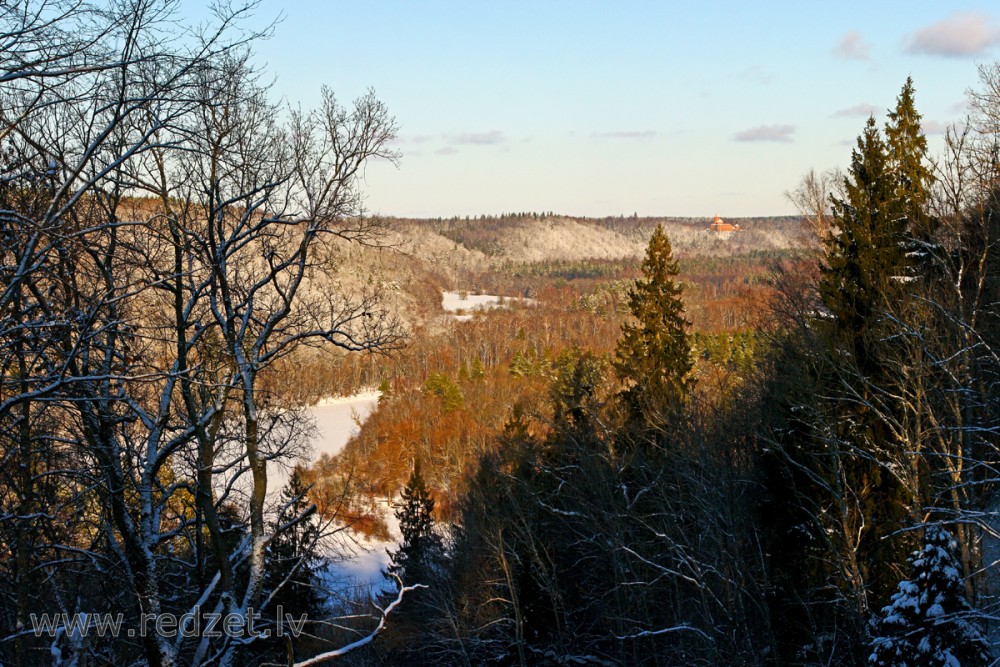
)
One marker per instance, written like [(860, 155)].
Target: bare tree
[(811, 199), (134, 331)]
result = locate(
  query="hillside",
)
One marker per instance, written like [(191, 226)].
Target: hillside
[(420, 258), (489, 241)]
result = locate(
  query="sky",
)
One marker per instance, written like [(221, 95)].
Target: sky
[(614, 108)]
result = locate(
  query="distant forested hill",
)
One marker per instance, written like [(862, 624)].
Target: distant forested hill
[(536, 237)]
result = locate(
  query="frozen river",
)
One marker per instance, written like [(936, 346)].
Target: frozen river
[(337, 421), (360, 561)]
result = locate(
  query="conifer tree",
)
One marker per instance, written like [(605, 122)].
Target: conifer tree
[(414, 560), (866, 255), (929, 622), (653, 355), (384, 390), (577, 376), (907, 158), (293, 560), (852, 451), (865, 269), (478, 371), (847, 477), (442, 386)]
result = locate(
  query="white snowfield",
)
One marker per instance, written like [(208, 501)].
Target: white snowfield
[(452, 302), (339, 419), (359, 561), (360, 572), (460, 304)]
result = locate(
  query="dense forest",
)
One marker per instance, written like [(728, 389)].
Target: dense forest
[(807, 482), (660, 447)]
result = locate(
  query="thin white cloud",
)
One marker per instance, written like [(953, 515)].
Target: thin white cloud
[(755, 74), (447, 150), (931, 127), (773, 133), (863, 110), (478, 138), (852, 46), (413, 139), (960, 35), (625, 134), (959, 107)]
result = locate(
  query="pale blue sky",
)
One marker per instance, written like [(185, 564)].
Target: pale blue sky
[(607, 108)]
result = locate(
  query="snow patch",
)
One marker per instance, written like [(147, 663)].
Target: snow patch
[(459, 304), (358, 565), (361, 571), (339, 419)]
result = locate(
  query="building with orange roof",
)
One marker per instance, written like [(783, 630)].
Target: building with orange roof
[(720, 227)]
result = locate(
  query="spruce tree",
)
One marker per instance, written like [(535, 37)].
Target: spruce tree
[(907, 157), (865, 269), (414, 560), (293, 561), (862, 280), (442, 386), (929, 623), (653, 355), (866, 256), (577, 375), (842, 485), (478, 371)]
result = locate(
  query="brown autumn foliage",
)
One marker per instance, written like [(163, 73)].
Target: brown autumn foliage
[(448, 395)]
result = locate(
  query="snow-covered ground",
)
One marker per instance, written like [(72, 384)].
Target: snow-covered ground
[(360, 572), (357, 566), (337, 421), (460, 304), (453, 302)]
